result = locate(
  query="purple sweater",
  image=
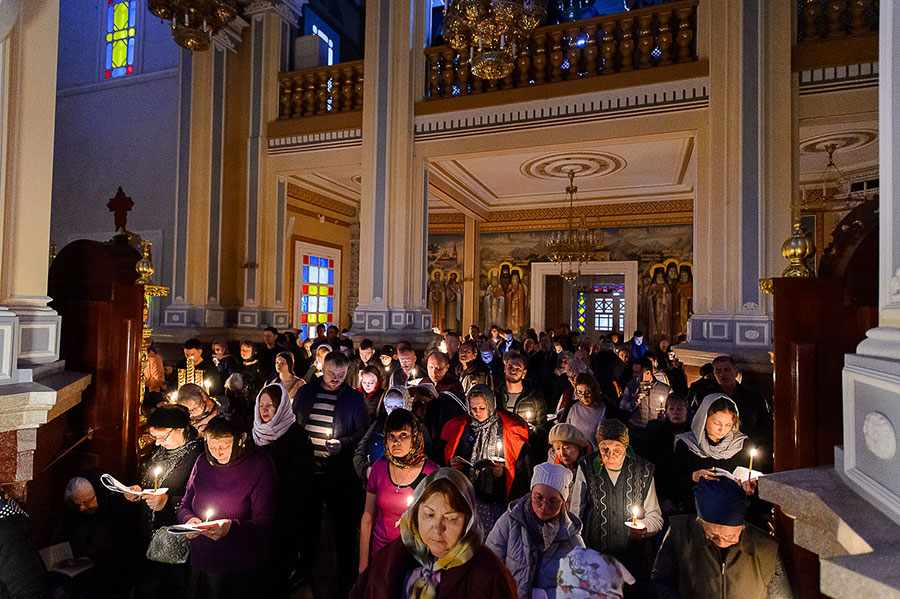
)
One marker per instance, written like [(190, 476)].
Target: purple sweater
[(243, 493)]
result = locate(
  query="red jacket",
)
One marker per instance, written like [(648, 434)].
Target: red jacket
[(515, 436), (482, 576)]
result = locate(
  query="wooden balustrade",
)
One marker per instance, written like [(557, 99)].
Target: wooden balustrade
[(640, 39), (321, 90), (831, 19)]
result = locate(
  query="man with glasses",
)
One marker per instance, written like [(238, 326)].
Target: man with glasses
[(613, 487), (715, 553)]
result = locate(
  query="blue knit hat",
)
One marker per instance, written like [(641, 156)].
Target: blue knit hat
[(721, 501)]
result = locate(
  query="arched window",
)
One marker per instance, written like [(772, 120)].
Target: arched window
[(120, 19)]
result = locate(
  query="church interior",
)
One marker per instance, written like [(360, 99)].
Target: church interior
[(704, 171)]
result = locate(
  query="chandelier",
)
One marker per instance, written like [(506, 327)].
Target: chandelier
[(491, 30), (573, 246), (194, 22)]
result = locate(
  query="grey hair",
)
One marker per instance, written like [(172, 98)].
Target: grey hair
[(576, 366), (75, 483), (235, 382)]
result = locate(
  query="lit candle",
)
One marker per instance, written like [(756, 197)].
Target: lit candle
[(443, 346), (156, 472), (330, 432), (409, 501), (634, 513), (207, 384), (752, 455), (209, 514), (500, 449), (527, 415), (173, 396)]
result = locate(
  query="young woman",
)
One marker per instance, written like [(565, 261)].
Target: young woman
[(371, 447), (714, 441), (284, 374), (370, 387), (440, 552), (537, 531), (392, 482), (586, 413), (237, 484)]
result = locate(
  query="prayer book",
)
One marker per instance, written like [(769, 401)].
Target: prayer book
[(740, 474), (59, 558), (183, 529), (116, 487)]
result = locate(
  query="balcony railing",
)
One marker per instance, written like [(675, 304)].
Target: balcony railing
[(830, 19), (321, 90), (640, 39)]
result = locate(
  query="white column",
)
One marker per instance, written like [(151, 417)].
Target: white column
[(393, 218), (29, 328)]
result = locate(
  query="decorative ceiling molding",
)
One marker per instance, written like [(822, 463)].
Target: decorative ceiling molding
[(843, 140), (302, 194), (838, 78), (587, 164)]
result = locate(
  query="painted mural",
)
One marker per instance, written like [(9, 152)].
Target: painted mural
[(662, 252)]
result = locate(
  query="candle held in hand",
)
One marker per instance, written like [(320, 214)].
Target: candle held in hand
[(752, 455), (634, 513), (156, 472), (209, 514), (207, 384), (500, 449)]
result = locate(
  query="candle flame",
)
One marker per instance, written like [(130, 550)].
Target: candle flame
[(209, 514), (157, 471), (753, 453), (499, 446), (409, 501), (634, 511)]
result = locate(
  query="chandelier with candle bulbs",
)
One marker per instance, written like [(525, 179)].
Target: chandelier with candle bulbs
[(490, 31), (194, 22), (574, 245)]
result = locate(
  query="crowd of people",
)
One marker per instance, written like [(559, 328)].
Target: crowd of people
[(485, 466)]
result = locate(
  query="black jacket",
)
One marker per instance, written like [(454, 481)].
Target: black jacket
[(22, 573)]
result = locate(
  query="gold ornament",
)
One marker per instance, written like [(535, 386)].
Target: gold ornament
[(797, 249)]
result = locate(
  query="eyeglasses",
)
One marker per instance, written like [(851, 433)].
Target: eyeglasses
[(164, 437), (583, 393), (550, 502), (612, 451)]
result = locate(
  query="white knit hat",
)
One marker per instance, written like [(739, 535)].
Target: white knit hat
[(553, 475)]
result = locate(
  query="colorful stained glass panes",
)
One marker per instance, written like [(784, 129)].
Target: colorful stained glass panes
[(317, 299), (120, 17), (581, 310)]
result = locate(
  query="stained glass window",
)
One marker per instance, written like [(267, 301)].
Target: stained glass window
[(120, 17), (316, 294)]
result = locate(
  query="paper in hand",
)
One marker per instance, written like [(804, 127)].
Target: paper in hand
[(116, 487), (740, 474), (183, 529)]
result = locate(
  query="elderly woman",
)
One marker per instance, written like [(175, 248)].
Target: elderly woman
[(609, 486), (537, 531), (276, 433), (586, 413), (567, 445), (234, 483), (440, 552), (164, 570), (491, 448), (392, 482), (714, 441)]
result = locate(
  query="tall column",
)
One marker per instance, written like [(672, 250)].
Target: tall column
[(29, 328), (744, 183), (263, 271), (471, 257), (393, 218), (871, 376)]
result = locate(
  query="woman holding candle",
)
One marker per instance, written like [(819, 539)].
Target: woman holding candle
[(238, 485), (537, 531), (714, 441), (392, 482), (169, 466), (440, 552), (491, 448), (284, 374), (276, 432)]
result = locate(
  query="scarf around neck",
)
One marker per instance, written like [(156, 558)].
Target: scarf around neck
[(269, 432), (699, 443), (416, 448), (541, 532), (427, 577)]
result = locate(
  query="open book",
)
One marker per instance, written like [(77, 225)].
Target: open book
[(422, 387), (183, 529), (116, 487), (59, 558), (740, 474)]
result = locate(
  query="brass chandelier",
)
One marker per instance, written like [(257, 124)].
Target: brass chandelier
[(574, 245), (490, 31), (194, 22)]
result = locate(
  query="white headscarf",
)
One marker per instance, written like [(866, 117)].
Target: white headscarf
[(697, 441), (269, 432)]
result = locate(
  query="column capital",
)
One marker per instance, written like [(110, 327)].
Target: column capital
[(288, 10)]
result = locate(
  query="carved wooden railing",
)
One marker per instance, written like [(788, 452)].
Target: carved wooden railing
[(830, 19), (321, 90), (641, 39)]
